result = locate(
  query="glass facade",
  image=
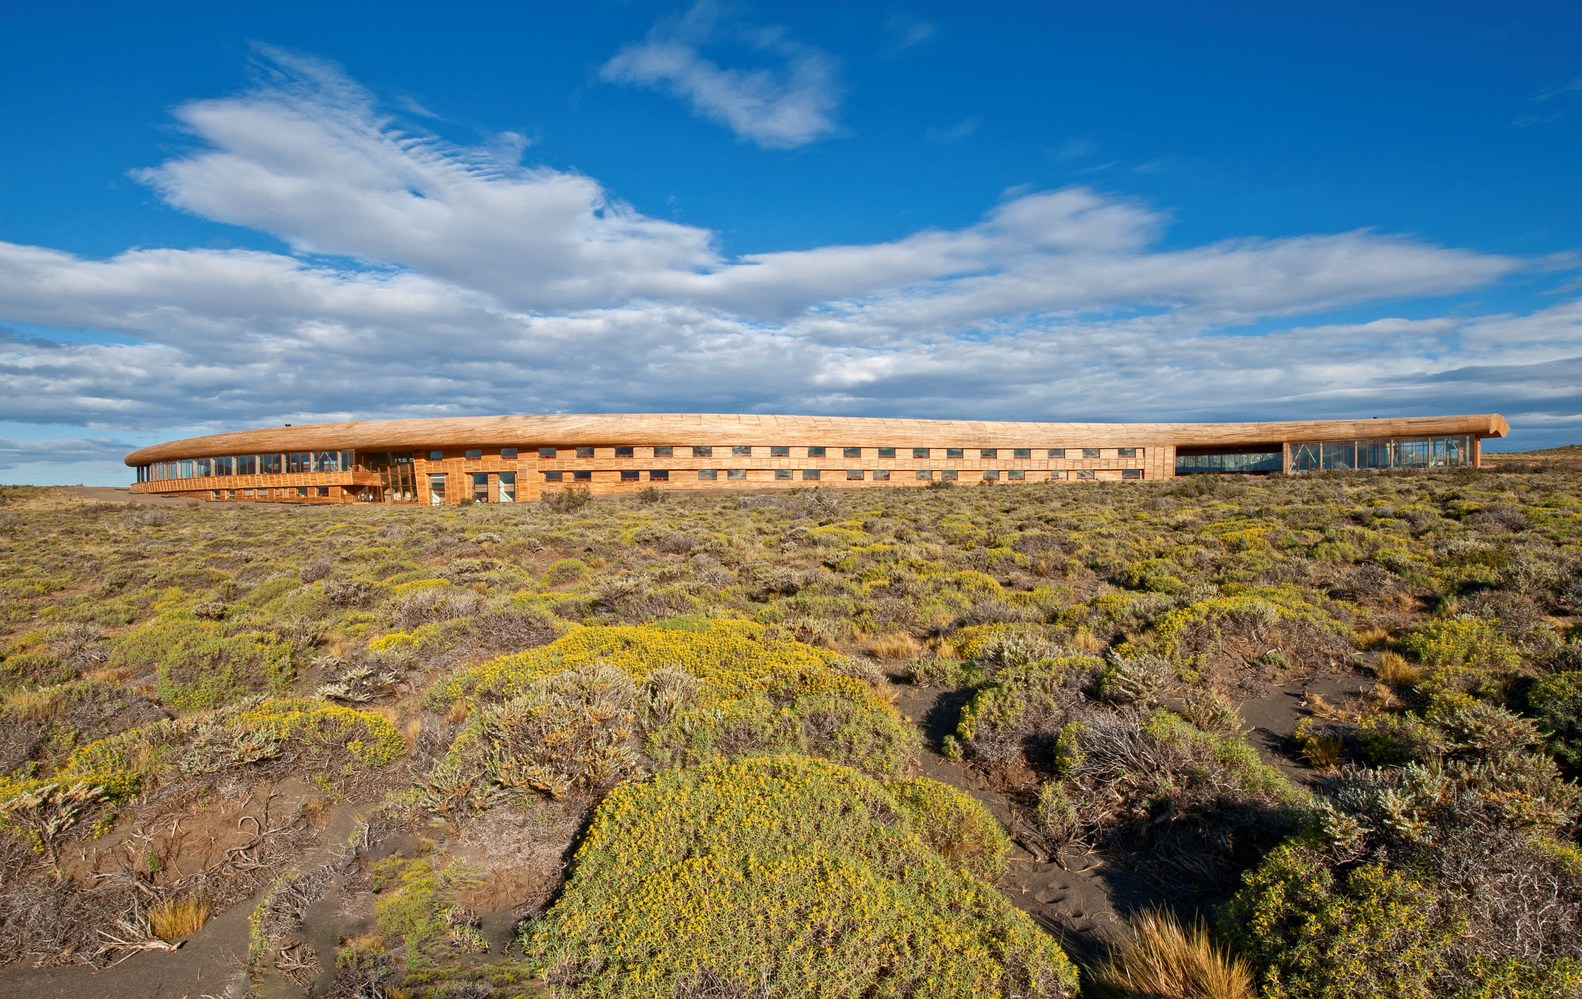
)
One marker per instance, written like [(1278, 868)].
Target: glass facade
[(1241, 461), (1385, 453), (295, 462)]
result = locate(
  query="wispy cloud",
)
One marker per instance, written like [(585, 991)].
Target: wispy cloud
[(905, 33), (427, 278), (788, 103)]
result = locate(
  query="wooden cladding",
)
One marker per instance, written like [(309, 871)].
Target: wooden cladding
[(518, 458)]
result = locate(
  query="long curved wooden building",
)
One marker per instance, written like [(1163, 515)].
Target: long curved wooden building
[(505, 459)]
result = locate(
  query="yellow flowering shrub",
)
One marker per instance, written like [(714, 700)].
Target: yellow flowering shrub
[(784, 875), (729, 657)]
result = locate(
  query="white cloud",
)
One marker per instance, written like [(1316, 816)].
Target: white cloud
[(788, 103), (428, 279)]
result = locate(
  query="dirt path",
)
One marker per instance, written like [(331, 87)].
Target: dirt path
[(1078, 899), (211, 963)]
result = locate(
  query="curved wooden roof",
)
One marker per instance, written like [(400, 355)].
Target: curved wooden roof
[(607, 429)]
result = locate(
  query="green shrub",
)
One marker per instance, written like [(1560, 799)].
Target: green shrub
[(1311, 933), (1555, 703), (1470, 643), (785, 876), (198, 664), (954, 825)]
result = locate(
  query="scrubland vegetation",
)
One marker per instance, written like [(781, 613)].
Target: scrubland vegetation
[(676, 746)]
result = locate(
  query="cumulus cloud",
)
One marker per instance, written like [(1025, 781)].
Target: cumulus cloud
[(788, 103), (429, 279)]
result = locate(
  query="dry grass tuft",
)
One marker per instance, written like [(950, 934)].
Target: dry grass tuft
[(1393, 669), (1373, 638), (1164, 959), (175, 919), (894, 645)]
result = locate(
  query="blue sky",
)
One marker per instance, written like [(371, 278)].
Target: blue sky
[(215, 216)]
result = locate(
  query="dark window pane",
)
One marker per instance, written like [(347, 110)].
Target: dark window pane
[(663, 451), (780, 451), (920, 452), (887, 452), (623, 452), (703, 451), (851, 452), (815, 452)]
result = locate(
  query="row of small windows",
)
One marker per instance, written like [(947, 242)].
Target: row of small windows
[(296, 462), (816, 474), (813, 451)]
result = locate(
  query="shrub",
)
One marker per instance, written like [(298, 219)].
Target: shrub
[(785, 876), (197, 664), (1311, 933), (1555, 703), (568, 500), (1462, 643), (728, 657), (954, 826)]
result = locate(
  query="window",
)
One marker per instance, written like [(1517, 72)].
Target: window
[(436, 456), (1057, 476), (323, 491), (741, 451), (851, 452), (1016, 475), (810, 473), (702, 451), (815, 452), (780, 451), (299, 461), (781, 474), (948, 474), (1085, 473), (247, 464), (269, 464), (474, 453), (923, 473), (582, 476), (664, 451), (1090, 452), (920, 452), (659, 475), (887, 452), (881, 475), (584, 452), (507, 487), (1126, 452), (480, 487), (1022, 452), (991, 475), (554, 476), (623, 452), (628, 475), (708, 474), (508, 453), (736, 473), (988, 452), (436, 489), (954, 452), (546, 452), (1057, 452), (1131, 473), (853, 475), (214, 494)]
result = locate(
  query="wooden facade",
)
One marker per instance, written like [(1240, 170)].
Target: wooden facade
[(519, 458)]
